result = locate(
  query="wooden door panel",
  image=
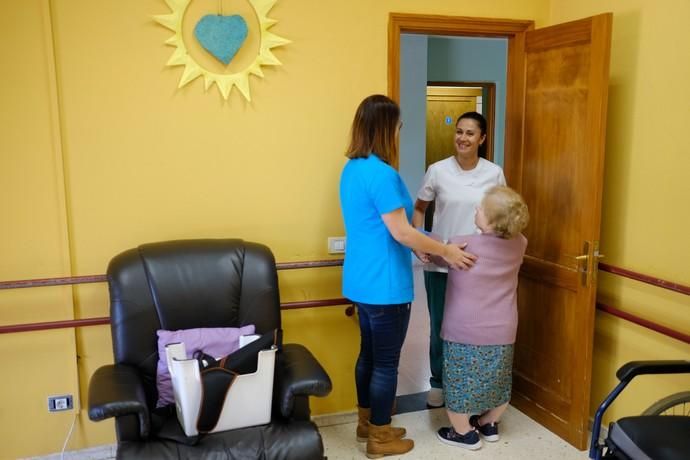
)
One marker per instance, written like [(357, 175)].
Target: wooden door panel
[(559, 171), (552, 70), (556, 95), (543, 308), (533, 392), (566, 34), (557, 275), (545, 384)]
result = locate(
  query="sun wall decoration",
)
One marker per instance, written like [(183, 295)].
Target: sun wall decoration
[(222, 36)]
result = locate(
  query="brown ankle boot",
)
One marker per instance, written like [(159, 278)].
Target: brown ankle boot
[(363, 426), (382, 442)]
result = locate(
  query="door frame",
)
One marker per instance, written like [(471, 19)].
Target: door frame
[(512, 29), (595, 29)]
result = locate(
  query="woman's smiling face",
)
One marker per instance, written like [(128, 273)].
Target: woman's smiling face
[(468, 137)]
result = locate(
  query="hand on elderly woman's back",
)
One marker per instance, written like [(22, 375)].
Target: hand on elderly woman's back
[(456, 258)]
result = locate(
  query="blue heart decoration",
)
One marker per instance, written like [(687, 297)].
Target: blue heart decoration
[(222, 36)]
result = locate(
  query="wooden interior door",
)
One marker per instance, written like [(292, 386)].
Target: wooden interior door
[(559, 93), (554, 155)]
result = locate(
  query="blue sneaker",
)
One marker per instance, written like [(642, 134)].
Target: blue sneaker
[(489, 431), (469, 440)]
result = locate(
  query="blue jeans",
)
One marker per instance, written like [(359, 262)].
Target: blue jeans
[(383, 329)]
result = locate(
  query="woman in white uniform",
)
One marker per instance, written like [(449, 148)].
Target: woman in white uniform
[(456, 185)]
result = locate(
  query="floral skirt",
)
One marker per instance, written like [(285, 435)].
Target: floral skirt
[(476, 378)]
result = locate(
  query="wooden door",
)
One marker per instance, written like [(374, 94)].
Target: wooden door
[(554, 155), (559, 93)]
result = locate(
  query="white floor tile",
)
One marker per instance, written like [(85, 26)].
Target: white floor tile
[(521, 438), (413, 372)]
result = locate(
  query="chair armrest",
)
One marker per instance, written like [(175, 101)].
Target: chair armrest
[(625, 374), (634, 368), (116, 390), (298, 373)]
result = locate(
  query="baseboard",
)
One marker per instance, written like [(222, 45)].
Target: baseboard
[(338, 418), (603, 433), (106, 452)]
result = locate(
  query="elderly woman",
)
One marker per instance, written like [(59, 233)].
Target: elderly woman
[(456, 185)]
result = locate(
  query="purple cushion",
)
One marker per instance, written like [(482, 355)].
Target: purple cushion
[(214, 341)]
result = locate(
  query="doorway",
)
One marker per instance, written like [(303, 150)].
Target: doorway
[(441, 78), (433, 60), (556, 101)]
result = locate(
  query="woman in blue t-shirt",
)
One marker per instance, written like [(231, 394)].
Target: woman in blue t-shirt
[(377, 273)]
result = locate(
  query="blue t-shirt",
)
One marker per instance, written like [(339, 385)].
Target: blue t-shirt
[(377, 269)]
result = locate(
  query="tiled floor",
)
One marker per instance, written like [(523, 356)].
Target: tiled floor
[(521, 438), (413, 373)]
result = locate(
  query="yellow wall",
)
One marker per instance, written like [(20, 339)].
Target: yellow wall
[(645, 211), (33, 235), (100, 152)]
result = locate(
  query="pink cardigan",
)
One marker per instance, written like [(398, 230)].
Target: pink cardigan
[(481, 303)]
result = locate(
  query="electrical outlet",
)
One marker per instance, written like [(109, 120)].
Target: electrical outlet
[(336, 244), (59, 403)]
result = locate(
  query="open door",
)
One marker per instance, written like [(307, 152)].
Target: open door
[(554, 155), (559, 83)]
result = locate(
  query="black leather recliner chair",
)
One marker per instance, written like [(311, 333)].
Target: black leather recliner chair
[(190, 284)]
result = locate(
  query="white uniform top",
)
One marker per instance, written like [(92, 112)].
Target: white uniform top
[(457, 193)]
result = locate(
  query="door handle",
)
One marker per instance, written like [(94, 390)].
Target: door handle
[(586, 256), (590, 252), (583, 265), (595, 264), (580, 258)]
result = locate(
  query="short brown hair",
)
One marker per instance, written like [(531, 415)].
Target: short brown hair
[(505, 210), (374, 129)]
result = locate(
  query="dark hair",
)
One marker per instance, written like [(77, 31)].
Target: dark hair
[(481, 121), (374, 129)]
